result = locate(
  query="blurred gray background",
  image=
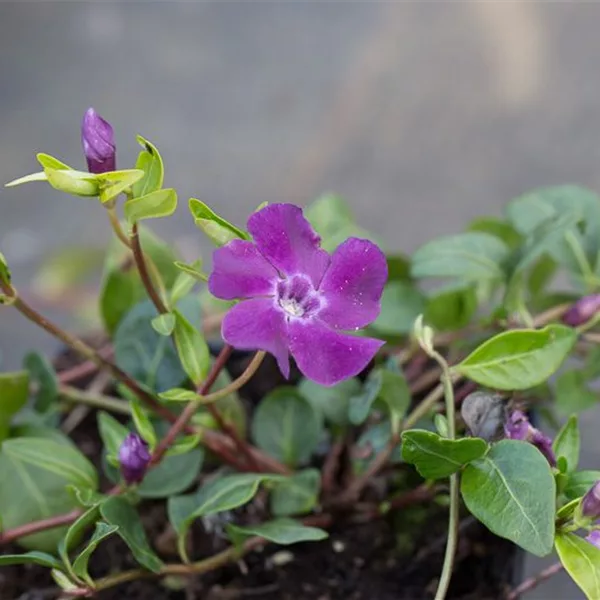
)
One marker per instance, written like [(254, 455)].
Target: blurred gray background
[(423, 115)]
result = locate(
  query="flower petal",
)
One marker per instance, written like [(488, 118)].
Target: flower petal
[(326, 356), (258, 325), (353, 284), (288, 241), (241, 271)]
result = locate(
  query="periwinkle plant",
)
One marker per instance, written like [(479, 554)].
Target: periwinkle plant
[(378, 359)]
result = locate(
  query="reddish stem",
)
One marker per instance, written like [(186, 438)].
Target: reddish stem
[(534, 581)]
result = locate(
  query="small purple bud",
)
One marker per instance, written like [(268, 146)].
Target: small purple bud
[(590, 505), (134, 458), (582, 311), (518, 427), (594, 538), (98, 141)]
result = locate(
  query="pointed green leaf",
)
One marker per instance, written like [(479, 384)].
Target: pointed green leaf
[(179, 395), (117, 511), (581, 560), (511, 490), (194, 270), (191, 348), (157, 204), (35, 558), (215, 227), (519, 359), (150, 162), (567, 443), (49, 162), (142, 422), (184, 444), (14, 391), (41, 176), (112, 432), (579, 483), (402, 302), (436, 457), (75, 534), (281, 531), (183, 285), (42, 373), (80, 565), (4, 270)]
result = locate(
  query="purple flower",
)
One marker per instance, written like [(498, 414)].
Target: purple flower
[(134, 458), (582, 311), (296, 298), (590, 505), (98, 142), (594, 538), (518, 427)]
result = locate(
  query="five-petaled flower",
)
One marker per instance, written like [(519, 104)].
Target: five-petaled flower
[(98, 141), (134, 458), (296, 298)]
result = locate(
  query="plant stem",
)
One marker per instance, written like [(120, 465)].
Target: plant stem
[(454, 493), (36, 526), (142, 267), (532, 582), (75, 395), (116, 226)]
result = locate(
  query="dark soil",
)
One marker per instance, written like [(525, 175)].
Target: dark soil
[(396, 558)]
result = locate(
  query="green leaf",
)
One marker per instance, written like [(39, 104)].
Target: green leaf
[(35, 473), (579, 483), (157, 204), (385, 386), (114, 183), (499, 228), (42, 373), (436, 457), (142, 422), (179, 395), (191, 348), (279, 531), (472, 256), (183, 285), (49, 162), (511, 490), (568, 444), (112, 433), (14, 391), (333, 220), (332, 402), (31, 558), (286, 426), (75, 533), (147, 356), (150, 162), (581, 560), (221, 494), (184, 444), (64, 582), (117, 511), (297, 494), (451, 308), (372, 441), (4, 270), (122, 287), (519, 359), (401, 304), (164, 324), (76, 183), (173, 475), (572, 394), (41, 176), (80, 565), (194, 270), (215, 227)]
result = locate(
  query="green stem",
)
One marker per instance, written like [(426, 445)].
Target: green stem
[(77, 396), (454, 496)]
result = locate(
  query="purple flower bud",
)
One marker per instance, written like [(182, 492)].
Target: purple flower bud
[(518, 427), (590, 505), (582, 311), (134, 458), (594, 538), (98, 142)]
